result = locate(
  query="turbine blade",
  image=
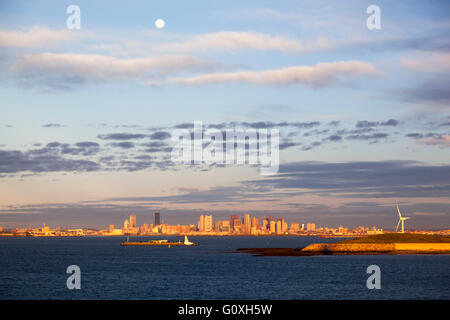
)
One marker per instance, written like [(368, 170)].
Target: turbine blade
[(396, 228), (400, 215)]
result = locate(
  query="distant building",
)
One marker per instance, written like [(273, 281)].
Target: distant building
[(284, 226), (235, 223), (247, 224), (295, 227), (272, 226), (279, 225), (111, 228), (265, 223), (310, 227), (255, 223), (132, 220), (208, 223), (156, 218), (222, 226), (126, 224), (201, 223)]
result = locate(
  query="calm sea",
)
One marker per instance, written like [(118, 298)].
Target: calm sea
[(35, 268)]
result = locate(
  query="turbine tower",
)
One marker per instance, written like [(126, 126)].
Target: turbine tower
[(402, 220)]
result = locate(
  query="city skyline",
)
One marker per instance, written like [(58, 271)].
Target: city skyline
[(248, 225), (89, 114)]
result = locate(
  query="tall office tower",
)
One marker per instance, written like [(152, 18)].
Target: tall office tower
[(208, 223), (272, 226), (247, 223), (284, 226), (279, 224), (132, 220), (126, 224), (295, 227), (235, 223), (111, 228), (233, 218), (201, 223), (225, 226), (265, 222), (156, 218), (310, 227), (255, 223)]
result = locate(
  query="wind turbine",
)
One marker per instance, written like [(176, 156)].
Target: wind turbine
[(402, 220)]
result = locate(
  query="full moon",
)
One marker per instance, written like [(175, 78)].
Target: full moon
[(159, 23)]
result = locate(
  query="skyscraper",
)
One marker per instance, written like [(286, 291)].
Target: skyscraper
[(201, 223), (272, 226), (255, 223), (208, 223), (156, 218), (235, 223), (279, 224), (132, 220), (247, 223)]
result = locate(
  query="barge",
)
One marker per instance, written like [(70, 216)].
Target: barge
[(166, 243)]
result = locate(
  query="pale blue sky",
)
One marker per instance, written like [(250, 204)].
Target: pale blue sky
[(399, 73)]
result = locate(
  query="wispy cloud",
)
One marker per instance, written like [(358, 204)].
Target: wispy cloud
[(317, 76), (105, 67), (36, 37), (429, 62), (231, 41)]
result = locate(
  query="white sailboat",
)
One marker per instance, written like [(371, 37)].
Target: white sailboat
[(187, 242)]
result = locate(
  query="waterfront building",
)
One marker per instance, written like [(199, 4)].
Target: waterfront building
[(247, 224), (265, 223), (235, 223), (222, 226), (132, 220), (201, 223), (255, 223), (208, 223), (279, 224), (272, 226), (156, 218), (284, 226), (295, 227)]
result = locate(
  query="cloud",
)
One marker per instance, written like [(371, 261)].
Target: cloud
[(434, 90), (87, 144), (365, 137), (317, 76), (121, 136), (160, 135), (105, 67), (231, 41), (385, 179), (429, 62), (42, 160), (36, 37), (123, 145), (52, 125), (369, 124), (436, 140)]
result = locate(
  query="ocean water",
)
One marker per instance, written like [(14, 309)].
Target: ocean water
[(35, 268)]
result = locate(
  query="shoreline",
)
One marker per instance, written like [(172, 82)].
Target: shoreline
[(388, 244)]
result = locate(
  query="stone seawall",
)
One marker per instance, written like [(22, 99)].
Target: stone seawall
[(378, 247)]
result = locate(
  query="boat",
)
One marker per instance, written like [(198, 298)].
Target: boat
[(163, 242)]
